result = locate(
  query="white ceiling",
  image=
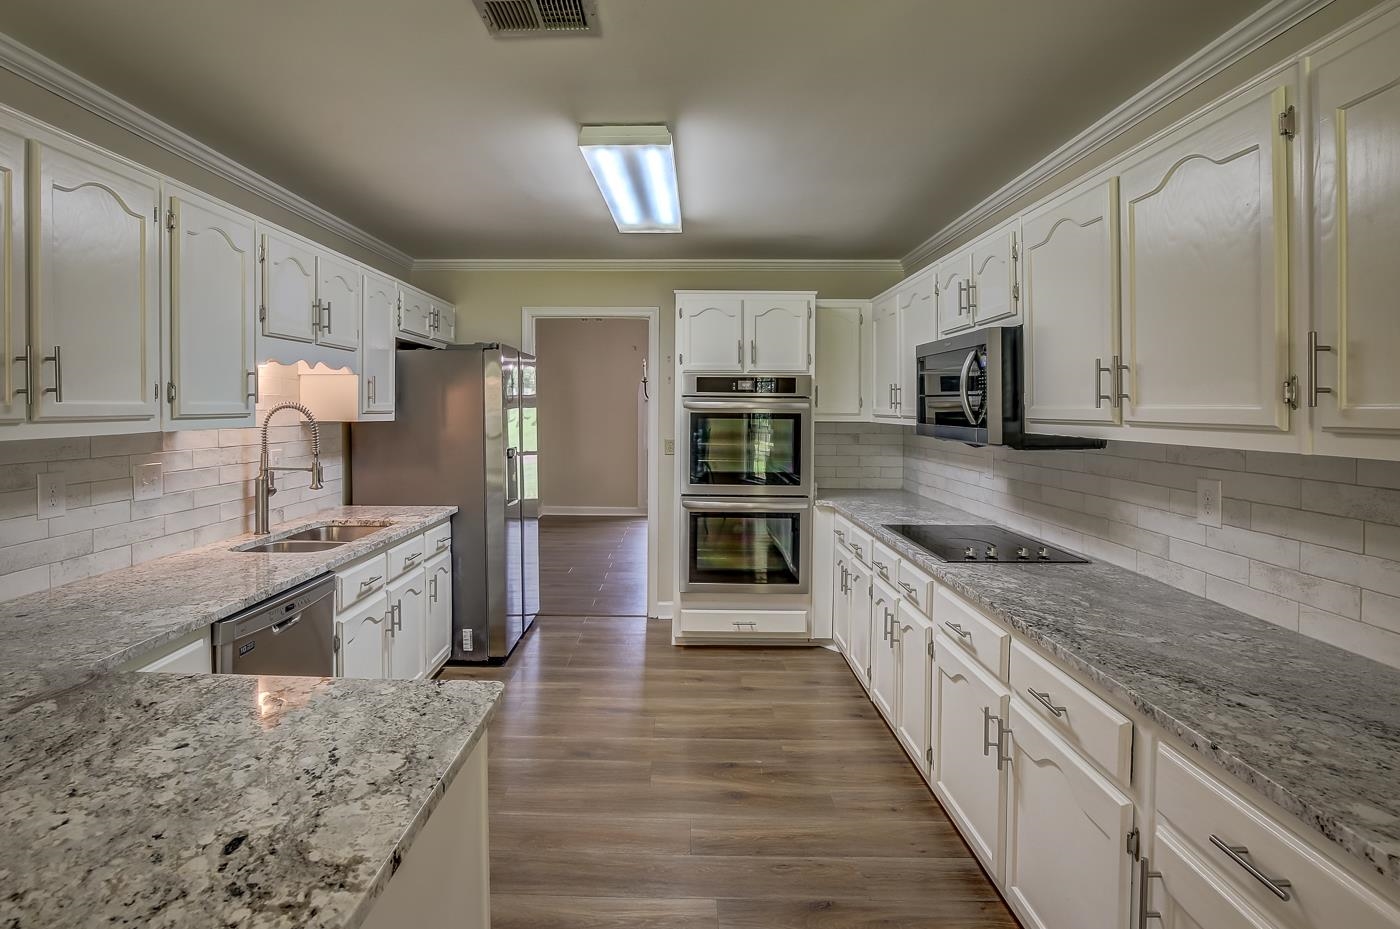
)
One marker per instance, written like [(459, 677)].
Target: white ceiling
[(804, 128)]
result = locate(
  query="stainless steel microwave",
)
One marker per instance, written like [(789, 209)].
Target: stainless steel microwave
[(972, 390)]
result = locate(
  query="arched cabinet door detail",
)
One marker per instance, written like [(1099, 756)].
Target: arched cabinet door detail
[(713, 334), (776, 333)]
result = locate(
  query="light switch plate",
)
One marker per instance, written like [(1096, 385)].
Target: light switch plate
[(1208, 503), (670, 446), (53, 496), (147, 481)]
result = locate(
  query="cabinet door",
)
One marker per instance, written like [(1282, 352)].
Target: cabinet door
[(1205, 271), (884, 657), (972, 784), (841, 601), (380, 298), (1067, 826), (952, 298), (858, 656), (777, 335), (338, 298), (438, 633), (14, 323), (839, 359), (918, 324), (415, 313), (288, 288), (1071, 303), (1356, 134), (885, 319), (995, 290), (363, 634), (213, 309), (713, 331), (444, 321), (915, 635), (408, 617), (95, 289)]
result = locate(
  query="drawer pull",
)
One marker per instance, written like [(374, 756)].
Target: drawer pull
[(884, 568), (443, 542), (1044, 700), (369, 582), (410, 559), (751, 625), (860, 552), (909, 589), (1236, 853), (957, 630)]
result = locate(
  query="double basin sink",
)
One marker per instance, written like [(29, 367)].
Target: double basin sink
[(315, 539)]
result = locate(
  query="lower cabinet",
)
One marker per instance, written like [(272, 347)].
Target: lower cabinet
[(407, 618), (969, 740), (841, 600), (1066, 831), (437, 634), (884, 663), (1185, 892), (860, 609), (913, 644), (362, 634)]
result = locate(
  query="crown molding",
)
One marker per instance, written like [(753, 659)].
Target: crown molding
[(656, 264), (56, 79), (1245, 37)]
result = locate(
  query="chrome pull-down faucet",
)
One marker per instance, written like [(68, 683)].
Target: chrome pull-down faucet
[(266, 486)]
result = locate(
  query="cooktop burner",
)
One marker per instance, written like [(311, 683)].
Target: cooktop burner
[(984, 545)]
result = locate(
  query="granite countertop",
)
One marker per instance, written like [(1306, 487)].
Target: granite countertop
[(1314, 728), (103, 621)]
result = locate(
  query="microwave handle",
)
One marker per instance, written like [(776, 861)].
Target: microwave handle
[(741, 506), (963, 385)]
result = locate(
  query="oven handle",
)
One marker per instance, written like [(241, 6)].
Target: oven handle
[(741, 506), (963, 384), (748, 406)]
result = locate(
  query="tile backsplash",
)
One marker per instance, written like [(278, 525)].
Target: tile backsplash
[(1308, 542), (207, 495), (867, 456)]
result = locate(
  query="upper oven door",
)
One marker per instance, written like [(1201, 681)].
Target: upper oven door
[(954, 400), (747, 447)]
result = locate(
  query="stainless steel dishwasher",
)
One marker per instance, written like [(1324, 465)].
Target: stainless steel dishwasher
[(291, 633)]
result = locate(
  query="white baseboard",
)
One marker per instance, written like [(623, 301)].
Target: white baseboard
[(665, 609), (593, 510)]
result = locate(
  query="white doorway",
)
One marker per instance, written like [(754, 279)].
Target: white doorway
[(638, 497)]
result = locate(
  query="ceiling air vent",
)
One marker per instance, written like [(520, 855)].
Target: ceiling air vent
[(518, 18)]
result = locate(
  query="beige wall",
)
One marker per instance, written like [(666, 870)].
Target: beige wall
[(1330, 18), (588, 382), (489, 305)]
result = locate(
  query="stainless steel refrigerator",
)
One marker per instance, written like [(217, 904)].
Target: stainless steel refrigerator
[(465, 433)]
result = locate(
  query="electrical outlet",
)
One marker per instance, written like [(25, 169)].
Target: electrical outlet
[(147, 481), (669, 446), (1208, 503), (53, 496), (466, 640)]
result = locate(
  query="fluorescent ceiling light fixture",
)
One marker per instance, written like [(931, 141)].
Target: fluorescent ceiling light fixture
[(635, 167)]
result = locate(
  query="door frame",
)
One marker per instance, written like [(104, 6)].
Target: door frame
[(531, 315)]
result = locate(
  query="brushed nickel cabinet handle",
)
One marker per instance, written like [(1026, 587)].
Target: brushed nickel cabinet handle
[(329, 318), (1118, 378), (369, 582), (1313, 348), (1099, 395), (999, 743), (408, 560), (957, 630), (753, 351), (740, 344), (252, 376), (1145, 874), (1044, 700), (28, 359), (909, 589), (57, 388), (1277, 886)]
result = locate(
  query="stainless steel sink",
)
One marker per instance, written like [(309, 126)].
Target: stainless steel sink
[(336, 533), (292, 547)]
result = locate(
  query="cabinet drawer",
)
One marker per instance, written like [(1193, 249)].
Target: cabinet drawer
[(359, 580), (856, 541), (916, 587), (735, 622), (885, 561), (1206, 812), (437, 539), (405, 556), (1063, 705), (975, 633)]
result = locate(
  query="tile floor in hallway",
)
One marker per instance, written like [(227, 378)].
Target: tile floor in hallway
[(635, 784), (593, 566)]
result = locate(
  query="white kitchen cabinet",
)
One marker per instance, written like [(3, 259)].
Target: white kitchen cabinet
[(94, 289), (1355, 94), (362, 638), (415, 316), (913, 646), (1070, 289), (843, 364), (712, 334), (1067, 827), (841, 600), (995, 284), (884, 314), (288, 287), (190, 654), (1186, 893), (862, 621), (777, 331), (14, 322), (918, 323), (953, 293), (213, 311), (1205, 297), (884, 661), (968, 764), (444, 321), (338, 306), (380, 296), (437, 634), (407, 619)]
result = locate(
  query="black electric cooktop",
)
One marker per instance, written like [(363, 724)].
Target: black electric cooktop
[(984, 545)]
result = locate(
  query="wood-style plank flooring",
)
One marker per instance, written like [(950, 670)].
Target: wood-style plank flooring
[(635, 785), (593, 566)]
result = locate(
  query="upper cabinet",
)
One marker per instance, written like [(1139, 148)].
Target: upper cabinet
[(1070, 288), (380, 296), (289, 309), (1204, 230), (952, 291), (1353, 380), (918, 324), (94, 287), (415, 316), (843, 359), (884, 313), (995, 289), (762, 333), (337, 302), (14, 323), (212, 373)]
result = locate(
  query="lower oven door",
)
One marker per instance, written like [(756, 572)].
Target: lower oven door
[(744, 545)]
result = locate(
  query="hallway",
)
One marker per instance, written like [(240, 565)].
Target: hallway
[(635, 785), (593, 566)]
